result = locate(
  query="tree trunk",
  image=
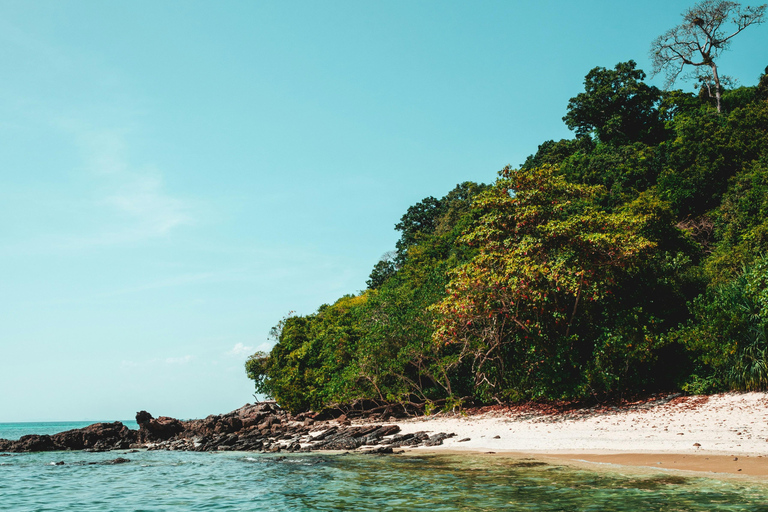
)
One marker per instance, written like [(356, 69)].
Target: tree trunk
[(717, 85)]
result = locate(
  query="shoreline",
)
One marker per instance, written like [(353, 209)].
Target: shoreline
[(709, 466), (722, 434)]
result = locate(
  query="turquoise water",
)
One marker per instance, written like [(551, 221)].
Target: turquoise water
[(181, 481)]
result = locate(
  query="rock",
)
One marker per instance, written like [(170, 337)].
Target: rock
[(32, 443), (261, 426), (437, 439), (160, 429), (96, 437), (380, 450), (119, 460), (143, 417)]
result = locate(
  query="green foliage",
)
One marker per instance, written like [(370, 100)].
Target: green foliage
[(617, 106), (624, 171), (630, 258), (375, 346), (430, 216), (740, 97), (761, 92), (553, 153), (707, 151), (420, 220), (382, 271), (548, 259), (741, 223), (730, 331), (395, 355), (307, 367)]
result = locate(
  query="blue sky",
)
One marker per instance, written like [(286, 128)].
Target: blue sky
[(175, 177)]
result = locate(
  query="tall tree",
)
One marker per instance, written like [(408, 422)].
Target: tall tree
[(617, 106), (706, 31)]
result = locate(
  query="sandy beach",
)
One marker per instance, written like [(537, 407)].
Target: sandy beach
[(725, 433)]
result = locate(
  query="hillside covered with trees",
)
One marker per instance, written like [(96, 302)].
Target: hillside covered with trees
[(631, 258)]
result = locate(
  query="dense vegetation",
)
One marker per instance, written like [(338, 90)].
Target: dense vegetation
[(630, 258)]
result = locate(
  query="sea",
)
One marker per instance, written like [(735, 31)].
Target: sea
[(244, 481)]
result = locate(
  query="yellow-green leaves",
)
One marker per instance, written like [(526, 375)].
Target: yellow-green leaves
[(547, 255)]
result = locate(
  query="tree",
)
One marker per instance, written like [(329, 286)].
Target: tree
[(700, 39), (547, 255), (617, 106), (419, 220), (762, 87), (382, 270)]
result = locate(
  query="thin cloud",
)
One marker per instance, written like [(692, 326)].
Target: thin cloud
[(240, 350), (179, 360), (176, 361), (141, 197), (132, 200)]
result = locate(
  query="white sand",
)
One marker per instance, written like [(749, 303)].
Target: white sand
[(726, 424)]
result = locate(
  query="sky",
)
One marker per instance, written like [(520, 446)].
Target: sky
[(177, 176)]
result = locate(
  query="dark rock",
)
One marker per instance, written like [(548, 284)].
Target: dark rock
[(96, 437), (325, 434), (256, 427), (160, 429), (342, 443), (437, 439), (33, 443), (119, 460), (380, 450), (143, 417)]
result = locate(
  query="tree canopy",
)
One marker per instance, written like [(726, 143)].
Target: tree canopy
[(616, 106), (629, 259)]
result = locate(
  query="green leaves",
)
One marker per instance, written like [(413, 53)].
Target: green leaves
[(547, 257), (730, 332), (617, 106), (569, 277)]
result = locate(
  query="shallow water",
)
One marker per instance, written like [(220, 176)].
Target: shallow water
[(176, 481)]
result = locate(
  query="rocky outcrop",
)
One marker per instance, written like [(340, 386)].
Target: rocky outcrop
[(262, 427), (160, 429), (96, 437), (265, 427)]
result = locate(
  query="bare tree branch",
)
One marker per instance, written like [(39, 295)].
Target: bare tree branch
[(700, 39)]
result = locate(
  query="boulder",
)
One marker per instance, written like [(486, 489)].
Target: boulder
[(160, 429)]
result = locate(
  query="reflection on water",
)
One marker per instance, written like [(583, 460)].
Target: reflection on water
[(171, 481)]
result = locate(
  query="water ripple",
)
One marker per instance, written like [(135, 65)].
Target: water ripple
[(156, 481)]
